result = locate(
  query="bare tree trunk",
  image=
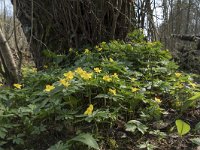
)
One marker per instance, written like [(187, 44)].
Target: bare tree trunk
[(188, 17), (8, 60)]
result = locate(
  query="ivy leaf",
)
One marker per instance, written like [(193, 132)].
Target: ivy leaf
[(87, 139), (182, 127)]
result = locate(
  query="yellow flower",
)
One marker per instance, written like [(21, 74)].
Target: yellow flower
[(98, 48), (18, 86), (89, 110), (192, 84), (158, 100), (86, 75), (112, 91), (87, 51), (64, 82), (1, 84), (111, 60), (79, 70), (49, 88), (97, 70), (69, 75), (115, 75), (107, 78), (178, 74), (134, 89)]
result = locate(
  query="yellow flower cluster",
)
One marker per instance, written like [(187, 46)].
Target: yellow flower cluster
[(49, 88), (84, 74), (1, 84), (97, 70), (107, 78), (113, 91), (18, 86), (89, 110)]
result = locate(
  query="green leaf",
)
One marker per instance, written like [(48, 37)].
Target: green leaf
[(196, 141), (87, 139), (3, 132), (59, 146), (195, 97), (197, 127), (182, 127), (133, 124)]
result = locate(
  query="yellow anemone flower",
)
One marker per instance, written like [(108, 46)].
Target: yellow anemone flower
[(69, 75), (134, 89), (79, 70), (18, 86), (112, 91), (89, 110), (49, 88), (107, 78), (64, 82), (115, 75), (97, 70), (86, 75)]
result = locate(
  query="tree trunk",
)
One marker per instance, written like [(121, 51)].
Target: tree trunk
[(10, 68), (57, 25)]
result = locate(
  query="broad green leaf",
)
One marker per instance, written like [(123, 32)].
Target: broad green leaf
[(182, 127), (87, 139), (133, 124), (196, 141), (130, 127)]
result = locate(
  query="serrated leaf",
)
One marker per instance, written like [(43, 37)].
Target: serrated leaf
[(87, 139), (196, 141), (182, 127)]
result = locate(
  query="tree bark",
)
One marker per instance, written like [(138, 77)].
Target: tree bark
[(57, 25), (10, 66)]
